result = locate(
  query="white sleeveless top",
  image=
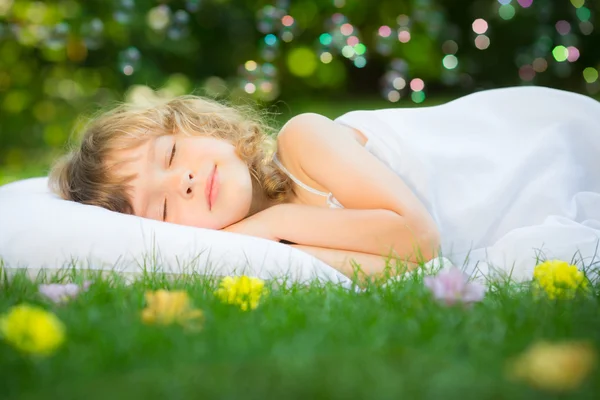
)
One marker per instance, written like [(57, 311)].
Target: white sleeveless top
[(503, 172)]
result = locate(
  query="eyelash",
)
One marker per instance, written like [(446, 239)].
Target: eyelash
[(173, 151)]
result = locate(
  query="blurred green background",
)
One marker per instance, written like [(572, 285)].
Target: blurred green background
[(62, 60)]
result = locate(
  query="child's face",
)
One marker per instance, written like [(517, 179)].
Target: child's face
[(185, 182)]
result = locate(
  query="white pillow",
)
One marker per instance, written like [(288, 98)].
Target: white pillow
[(38, 230)]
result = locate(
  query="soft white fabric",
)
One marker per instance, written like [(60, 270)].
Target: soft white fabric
[(39, 231), (508, 174)]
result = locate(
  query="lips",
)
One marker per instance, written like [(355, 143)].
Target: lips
[(209, 187), (216, 184)]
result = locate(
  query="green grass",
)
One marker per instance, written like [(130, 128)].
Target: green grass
[(303, 342)]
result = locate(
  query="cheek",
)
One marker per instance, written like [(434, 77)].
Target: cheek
[(240, 194)]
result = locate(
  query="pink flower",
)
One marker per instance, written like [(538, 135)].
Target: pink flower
[(451, 286), (61, 293)]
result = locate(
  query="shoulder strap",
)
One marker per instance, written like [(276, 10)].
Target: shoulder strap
[(292, 177)]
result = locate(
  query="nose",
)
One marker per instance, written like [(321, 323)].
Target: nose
[(187, 185)]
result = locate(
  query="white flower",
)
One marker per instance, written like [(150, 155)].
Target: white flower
[(61, 293), (452, 286)]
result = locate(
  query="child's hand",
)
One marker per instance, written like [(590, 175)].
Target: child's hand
[(260, 225)]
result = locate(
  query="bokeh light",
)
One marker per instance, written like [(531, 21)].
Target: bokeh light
[(540, 65), (348, 51), (417, 84), (506, 11), (560, 53), (250, 65), (393, 96), (159, 17), (450, 47), (129, 60), (385, 31), (302, 61), (563, 27), (352, 41), (124, 12), (179, 28), (590, 74), (578, 3), (450, 61), (326, 57), (404, 36), (525, 3), (360, 62), (586, 28), (287, 36), (399, 83), (527, 73), (360, 49), (287, 20), (325, 39), (480, 26), (482, 42), (403, 20), (573, 54), (250, 88), (93, 32), (346, 29), (418, 97), (192, 5), (584, 14), (270, 39)]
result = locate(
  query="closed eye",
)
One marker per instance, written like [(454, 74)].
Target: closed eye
[(173, 150)]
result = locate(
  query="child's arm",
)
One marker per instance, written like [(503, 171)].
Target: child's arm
[(382, 214), (371, 266), (374, 232)]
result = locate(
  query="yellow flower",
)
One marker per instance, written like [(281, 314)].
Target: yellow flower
[(243, 291), (32, 329), (558, 279), (165, 307), (554, 367)]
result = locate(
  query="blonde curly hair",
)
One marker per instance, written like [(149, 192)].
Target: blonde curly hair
[(85, 175)]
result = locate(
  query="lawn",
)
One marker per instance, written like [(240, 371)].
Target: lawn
[(314, 341)]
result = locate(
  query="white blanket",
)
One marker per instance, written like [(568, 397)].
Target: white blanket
[(510, 175)]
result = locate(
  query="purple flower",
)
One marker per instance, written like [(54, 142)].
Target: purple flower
[(61, 293), (452, 286)]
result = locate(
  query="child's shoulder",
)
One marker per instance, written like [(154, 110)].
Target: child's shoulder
[(311, 129)]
